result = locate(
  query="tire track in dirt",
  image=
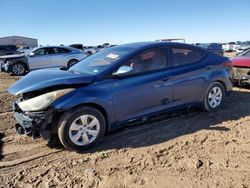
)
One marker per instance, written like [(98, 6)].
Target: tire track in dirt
[(26, 159)]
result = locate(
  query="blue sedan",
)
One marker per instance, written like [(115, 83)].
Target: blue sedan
[(116, 86)]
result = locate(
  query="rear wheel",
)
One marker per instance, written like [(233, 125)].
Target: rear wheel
[(81, 128), (89, 53), (72, 62), (18, 69), (214, 97)]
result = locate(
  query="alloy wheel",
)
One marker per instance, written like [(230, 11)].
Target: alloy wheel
[(215, 97), (18, 69), (84, 130)]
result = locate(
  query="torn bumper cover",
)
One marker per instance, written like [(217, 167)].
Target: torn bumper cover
[(34, 124), (241, 73)]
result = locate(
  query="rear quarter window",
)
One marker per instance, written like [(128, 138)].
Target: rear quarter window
[(185, 56)]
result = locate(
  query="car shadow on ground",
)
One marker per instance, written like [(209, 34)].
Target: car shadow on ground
[(178, 123), (1, 145)]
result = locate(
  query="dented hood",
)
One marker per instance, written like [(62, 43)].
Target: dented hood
[(45, 78)]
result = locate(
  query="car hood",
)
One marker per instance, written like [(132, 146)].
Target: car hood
[(241, 61), (45, 78), (12, 56)]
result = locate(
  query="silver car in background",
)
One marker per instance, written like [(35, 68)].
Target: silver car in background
[(41, 57)]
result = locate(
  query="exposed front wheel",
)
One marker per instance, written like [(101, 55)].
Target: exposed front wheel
[(18, 69), (214, 97), (81, 128)]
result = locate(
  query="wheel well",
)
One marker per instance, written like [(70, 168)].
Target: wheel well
[(25, 64), (72, 60), (98, 107), (58, 115), (223, 84)]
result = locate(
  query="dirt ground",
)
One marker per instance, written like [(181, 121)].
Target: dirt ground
[(195, 149)]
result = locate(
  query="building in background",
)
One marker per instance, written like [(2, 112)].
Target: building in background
[(18, 41)]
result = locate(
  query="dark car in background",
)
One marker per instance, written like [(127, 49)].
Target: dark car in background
[(116, 86), (7, 50), (212, 47)]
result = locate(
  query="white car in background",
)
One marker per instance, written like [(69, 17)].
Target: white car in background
[(89, 50), (39, 58), (24, 49), (230, 47)]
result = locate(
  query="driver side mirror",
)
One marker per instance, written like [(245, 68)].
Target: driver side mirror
[(123, 70)]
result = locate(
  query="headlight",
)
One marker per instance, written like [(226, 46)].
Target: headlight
[(43, 101)]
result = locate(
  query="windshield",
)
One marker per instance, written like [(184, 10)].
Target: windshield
[(203, 45), (100, 61)]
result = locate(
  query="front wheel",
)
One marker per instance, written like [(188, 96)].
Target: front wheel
[(81, 128), (214, 98), (18, 69)]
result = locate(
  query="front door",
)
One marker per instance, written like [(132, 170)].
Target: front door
[(147, 89), (38, 59)]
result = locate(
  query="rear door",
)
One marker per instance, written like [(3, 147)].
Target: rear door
[(190, 74), (57, 57), (146, 89)]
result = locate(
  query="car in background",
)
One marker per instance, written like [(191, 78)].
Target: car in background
[(245, 53), (42, 57), (89, 50), (212, 47), (117, 86), (7, 50), (230, 47), (24, 49), (243, 47), (241, 69)]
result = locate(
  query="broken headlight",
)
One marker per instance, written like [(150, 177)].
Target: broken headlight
[(41, 102)]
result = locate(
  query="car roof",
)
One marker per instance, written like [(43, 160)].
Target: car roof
[(141, 45), (66, 47)]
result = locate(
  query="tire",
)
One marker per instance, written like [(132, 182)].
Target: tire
[(214, 97), (72, 62), (76, 135), (89, 53), (18, 69)]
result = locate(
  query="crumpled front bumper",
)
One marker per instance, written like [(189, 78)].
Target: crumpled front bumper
[(34, 124), (241, 73)]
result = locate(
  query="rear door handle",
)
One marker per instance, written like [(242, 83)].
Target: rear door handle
[(166, 78)]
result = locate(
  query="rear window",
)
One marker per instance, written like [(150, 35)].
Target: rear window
[(183, 56)]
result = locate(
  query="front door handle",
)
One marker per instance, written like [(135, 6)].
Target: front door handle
[(166, 78)]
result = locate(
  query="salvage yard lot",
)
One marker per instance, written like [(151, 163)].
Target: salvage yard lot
[(197, 149)]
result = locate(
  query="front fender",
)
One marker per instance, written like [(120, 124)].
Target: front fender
[(92, 94)]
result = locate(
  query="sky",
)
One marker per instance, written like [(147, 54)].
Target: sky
[(95, 22)]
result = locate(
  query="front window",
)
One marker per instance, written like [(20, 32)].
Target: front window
[(41, 51), (150, 60), (101, 61)]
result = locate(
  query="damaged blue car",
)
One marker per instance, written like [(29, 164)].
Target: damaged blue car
[(117, 86)]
